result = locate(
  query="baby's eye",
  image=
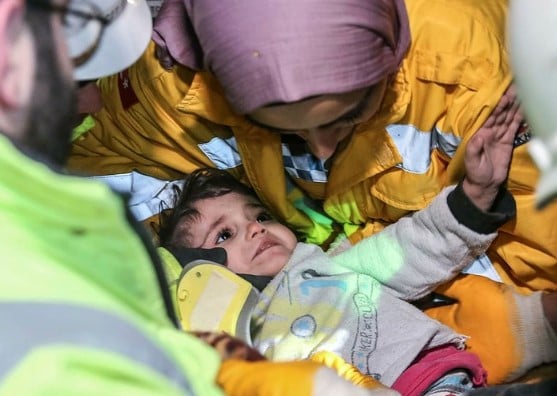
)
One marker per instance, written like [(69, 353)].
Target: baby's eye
[(264, 216), (223, 236)]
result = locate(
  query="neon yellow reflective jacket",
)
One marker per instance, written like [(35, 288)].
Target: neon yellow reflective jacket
[(167, 123), (80, 304)]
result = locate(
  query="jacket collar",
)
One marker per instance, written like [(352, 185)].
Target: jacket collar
[(206, 98)]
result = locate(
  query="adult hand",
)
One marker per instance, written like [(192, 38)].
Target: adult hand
[(489, 151)]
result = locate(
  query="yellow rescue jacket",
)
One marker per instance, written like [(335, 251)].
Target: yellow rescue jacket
[(166, 123)]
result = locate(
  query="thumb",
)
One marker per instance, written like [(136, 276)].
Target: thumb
[(475, 146)]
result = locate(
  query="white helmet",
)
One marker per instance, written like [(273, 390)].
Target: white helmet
[(127, 30), (533, 50)]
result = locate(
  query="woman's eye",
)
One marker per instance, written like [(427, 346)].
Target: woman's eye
[(353, 119), (223, 236), (262, 217)]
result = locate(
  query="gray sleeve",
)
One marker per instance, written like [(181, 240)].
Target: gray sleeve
[(417, 253)]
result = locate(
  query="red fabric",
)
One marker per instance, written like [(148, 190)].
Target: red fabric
[(432, 364), (127, 94)]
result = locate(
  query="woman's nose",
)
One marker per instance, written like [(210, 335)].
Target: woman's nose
[(324, 142)]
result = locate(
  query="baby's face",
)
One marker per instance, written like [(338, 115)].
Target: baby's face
[(255, 243)]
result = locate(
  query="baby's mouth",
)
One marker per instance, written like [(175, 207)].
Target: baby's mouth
[(266, 244)]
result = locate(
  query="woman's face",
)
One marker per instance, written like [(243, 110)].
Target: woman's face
[(322, 121)]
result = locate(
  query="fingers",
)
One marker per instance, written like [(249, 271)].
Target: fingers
[(475, 146), (508, 104), (505, 112), (504, 121)]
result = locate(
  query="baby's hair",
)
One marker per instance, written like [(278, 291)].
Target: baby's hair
[(200, 184)]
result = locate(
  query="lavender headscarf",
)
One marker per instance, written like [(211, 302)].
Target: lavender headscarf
[(274, 51)]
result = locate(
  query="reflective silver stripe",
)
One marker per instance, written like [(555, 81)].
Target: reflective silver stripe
[(25, 326), (447, 142), (415, 146), (484, 267), (147, 194), (222, 152)]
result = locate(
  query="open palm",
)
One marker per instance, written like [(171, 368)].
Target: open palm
[(489, 151)]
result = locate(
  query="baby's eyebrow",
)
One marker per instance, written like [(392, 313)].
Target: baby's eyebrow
[(204, 229), (255, 206)]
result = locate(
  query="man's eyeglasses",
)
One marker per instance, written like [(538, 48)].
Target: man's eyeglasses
[(84, 23)]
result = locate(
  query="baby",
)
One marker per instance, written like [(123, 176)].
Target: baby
[(357, 304)]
